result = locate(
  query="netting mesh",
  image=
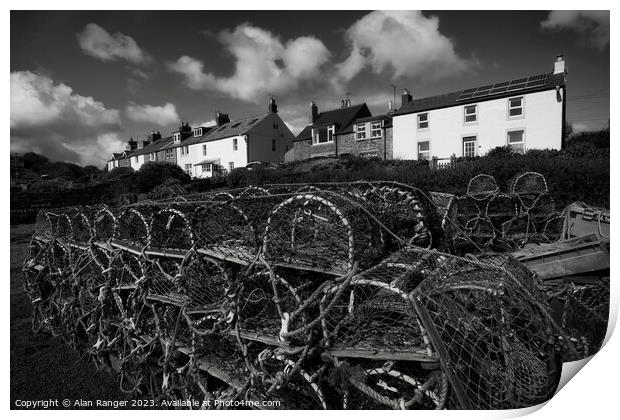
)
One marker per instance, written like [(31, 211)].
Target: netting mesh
[(360, 295)]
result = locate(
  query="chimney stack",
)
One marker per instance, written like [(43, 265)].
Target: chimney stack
[(221, 118), (273, 107), (406, 98), (560, 65), (314, 112)]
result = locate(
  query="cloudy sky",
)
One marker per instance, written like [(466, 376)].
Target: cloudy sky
[(82, 83)]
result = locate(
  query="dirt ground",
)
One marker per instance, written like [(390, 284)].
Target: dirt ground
[(41, 367)]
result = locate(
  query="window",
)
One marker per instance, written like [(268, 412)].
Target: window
[(516, 141), (177, 137), (273, 145), (184, 150), (515, 107), (360, 131), (323, 134), (375, 129), (469, 146), (471, 114), (204, 150), (231, 166), (422, 121), (276, 126), (136, 159), (424, 150), (234, 144), (188, 168), (198, 132), (206, 167)]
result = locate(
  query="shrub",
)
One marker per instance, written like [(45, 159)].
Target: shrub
[(152, 174)]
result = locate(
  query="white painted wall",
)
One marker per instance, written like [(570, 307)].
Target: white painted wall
[(542, 122), (136, 165), (221, 149)]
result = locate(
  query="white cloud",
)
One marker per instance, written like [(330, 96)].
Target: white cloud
[(161, 115), (99, 43), (208, 123), (593, 25), (263, 64), (49, 118), (405, 43)]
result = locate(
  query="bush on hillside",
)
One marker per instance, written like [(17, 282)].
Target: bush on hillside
[(152, 174)]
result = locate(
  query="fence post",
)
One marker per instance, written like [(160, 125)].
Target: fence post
[(453, 161), (434, 163)]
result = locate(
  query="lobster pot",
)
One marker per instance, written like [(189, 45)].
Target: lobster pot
[(132, 227), (264, 300), (171, 229), (224, 231), (63, 226), (483, 234), (252, 191), (126, 270), (493, 334), (553, 227), (81, 227), (323, 232), (465, 209), (541, 209), (520, 230), (370, 316), (36, 270), (162, 274), (500, 209), (402, 209), (204, 281), (482, 187), (379, 385), (528, 187), (104, 225), (295, 388), (45, 225)]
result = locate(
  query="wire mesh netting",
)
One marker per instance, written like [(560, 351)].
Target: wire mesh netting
[(360, 295)]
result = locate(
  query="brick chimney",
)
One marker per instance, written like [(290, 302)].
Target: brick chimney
[(221, 118), (314, 112), (155, 135), (131, 144), (272, 105), (405, 98), (559, 66)]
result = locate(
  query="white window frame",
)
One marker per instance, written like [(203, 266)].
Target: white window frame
[(522, 108), (207, 167), (428, 151), (361, 131), (231, 166), (425, 121), (468, 139), (522, 142), (197, 132), (188, 169), (235, 145), (331, 132), (177, 137), (466, 114), (204, 150), (376, 132)]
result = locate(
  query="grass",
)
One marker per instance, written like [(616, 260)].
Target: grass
[(41, 367)]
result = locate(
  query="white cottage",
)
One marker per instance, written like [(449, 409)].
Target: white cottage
[(526, 113)]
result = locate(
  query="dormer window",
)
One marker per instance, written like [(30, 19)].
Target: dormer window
[(198, 132), (177, 137), (323, 134)]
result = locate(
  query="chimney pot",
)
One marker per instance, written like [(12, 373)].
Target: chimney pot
[(314, 112), (406, 98), (559, 66), (273, 107)]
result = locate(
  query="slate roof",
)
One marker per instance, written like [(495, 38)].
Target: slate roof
[(450, 99), (233, 128), (154, 147), (386, 117), (342, 118)]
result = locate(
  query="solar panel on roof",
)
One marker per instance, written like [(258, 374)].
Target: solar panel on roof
[(503, 87)]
